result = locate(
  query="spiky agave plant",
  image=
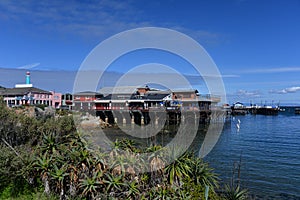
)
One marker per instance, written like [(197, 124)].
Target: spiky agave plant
[(178, 169), (235, 193), (90, 186), (43, 165), (203, 175)]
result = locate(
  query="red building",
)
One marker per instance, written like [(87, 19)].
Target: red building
[(85, 101)]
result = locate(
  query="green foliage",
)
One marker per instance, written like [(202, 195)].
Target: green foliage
[(18, 188), (12, 181), (19, 135), (89, 185), (32, 196), (203, 175), (47, 158), (178, 169), (235, 193)]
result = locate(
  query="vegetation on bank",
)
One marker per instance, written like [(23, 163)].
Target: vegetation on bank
[(46, 158)]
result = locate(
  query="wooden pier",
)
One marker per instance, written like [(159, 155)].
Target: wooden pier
[(157, 116), (146, 106), (266, 110)]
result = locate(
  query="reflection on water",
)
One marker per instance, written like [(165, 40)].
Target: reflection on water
[(198, 138)]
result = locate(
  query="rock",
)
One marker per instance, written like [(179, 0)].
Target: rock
[(48, 112)]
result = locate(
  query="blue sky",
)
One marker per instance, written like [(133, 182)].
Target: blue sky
[(254, 43)]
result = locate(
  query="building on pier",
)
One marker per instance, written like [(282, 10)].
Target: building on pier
[(139, 101), (85, 101)]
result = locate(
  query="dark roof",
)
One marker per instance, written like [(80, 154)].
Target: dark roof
[(119, 97), (108, 97), (156, 96), (118, 90), (88, 93), (159, 92), (130, 93), (151, 96), (185, 91), (22, 91), (238, 103)]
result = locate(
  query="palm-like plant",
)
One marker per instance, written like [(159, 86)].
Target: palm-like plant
[(59, 175), (118, 164), (114, 184), (203, 175), (128, 144), (133, 190), (100, 161), (85, 157), (161, 193), (89, 186), (73, 178), (178, 169), (63, 159), (49, 143), (133, 163), (153, 148), (43, 165), (182, 194), (73, 154), (116, 147), (235, 193), (144, 181)]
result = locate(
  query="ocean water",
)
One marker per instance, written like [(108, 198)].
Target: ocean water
[(269, 150)]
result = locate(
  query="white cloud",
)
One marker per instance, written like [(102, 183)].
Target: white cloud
[(89, 20), (272, 70), (246, 93), (29, 66), (286, 90), (86, 19), (223, 76), (293, 89)]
